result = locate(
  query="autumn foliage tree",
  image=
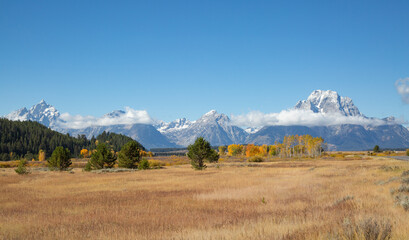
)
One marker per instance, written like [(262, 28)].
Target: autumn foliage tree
[(235, 149), (84, 153), (222, 150), (41, 155), (252, 150), (291, 146)]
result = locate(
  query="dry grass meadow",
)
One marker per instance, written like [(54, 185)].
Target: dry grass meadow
[(302, 199)]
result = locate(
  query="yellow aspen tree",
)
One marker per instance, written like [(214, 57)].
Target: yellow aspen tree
[(41, 155)]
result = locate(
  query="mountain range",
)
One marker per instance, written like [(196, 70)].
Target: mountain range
[(219, 129)]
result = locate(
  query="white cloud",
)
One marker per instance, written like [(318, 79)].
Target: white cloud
[(301, 117), (129, 116), (402, 86)]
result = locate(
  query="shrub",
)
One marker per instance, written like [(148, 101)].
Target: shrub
[(21, 168), (155, 163), (405, 173), (222, 150), (373, 229), (255, 159), (143, 165), (407, 152), (368, 229), (60, 159), (405, 180), (402, 200)]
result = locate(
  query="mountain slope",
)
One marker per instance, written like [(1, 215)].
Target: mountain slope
[(214, 127), (328, 102), (145, 134), (339, 137), (41, 112), (218, 129)]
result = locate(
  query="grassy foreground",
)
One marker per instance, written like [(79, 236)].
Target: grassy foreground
[(304, 199)]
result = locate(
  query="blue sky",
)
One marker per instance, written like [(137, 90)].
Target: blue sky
[(183, 58)]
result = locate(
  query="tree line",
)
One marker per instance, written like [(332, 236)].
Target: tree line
[(32, 140), (291, 146)]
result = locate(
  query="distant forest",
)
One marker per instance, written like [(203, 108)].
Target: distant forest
[(18, 139)]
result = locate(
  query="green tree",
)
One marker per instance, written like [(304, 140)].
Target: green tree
[(60, 159), (129, 156), (376, 149), (21, 168), (200, 151), (144, 164), (102, 158)]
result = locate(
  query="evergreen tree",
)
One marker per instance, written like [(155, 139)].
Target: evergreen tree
[(115, 141), (376, 149), (102, 158), (21, 169), (129, 156), (200, 151), (144, 164), (60, 159)]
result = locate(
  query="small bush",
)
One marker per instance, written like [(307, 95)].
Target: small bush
[(155, 163), (373, 229), (405, 180), (402, 200), (405, 173), (407, 152), (389, 168), (403, 188), (255, 159), (88, 167), (143, 165), (342, 200), (21, 168), (368, 229)]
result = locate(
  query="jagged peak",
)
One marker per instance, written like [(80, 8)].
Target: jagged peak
[(328, 101), (211, 112)]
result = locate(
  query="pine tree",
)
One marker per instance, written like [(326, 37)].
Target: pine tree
[(21, 168), (129, 156), (200, 151), (102, 158), (60, 159)]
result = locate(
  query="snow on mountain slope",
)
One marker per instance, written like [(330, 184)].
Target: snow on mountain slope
[(324, 113), (176, 125), (41, 112), (214, 127), (328, 101)]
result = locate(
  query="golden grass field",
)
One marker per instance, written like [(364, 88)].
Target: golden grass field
[(283, 199)]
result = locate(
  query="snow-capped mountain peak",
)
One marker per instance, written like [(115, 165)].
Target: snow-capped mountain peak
[(178, 124), (214, 116), (321, 101), (41, 112)]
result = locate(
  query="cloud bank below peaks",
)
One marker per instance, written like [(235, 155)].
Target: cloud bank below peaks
[(129, 116), (293, 117)]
